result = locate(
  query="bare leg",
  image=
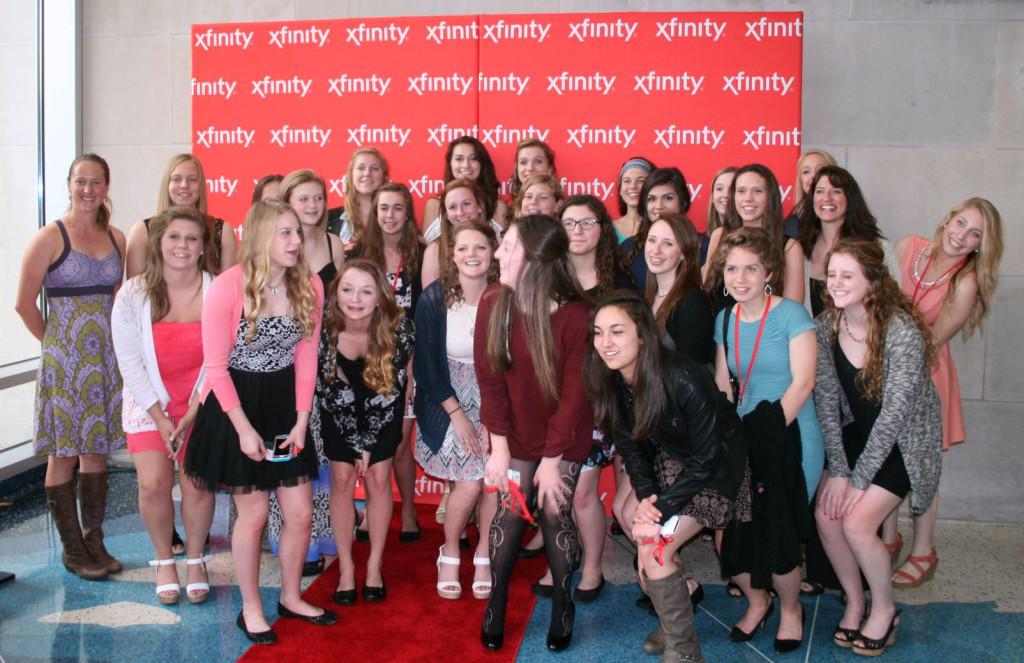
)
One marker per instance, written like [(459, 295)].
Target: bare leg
[(60, 469), (405, 477), (924, 529), (379, 507), (343, 520), (297, 511), (590, 520), (155, 473), (245, 553), (758, 602), (486, 507), (624, 504), (463, 496), (860, 528), (843, 561), (197, 512), (787, 586)]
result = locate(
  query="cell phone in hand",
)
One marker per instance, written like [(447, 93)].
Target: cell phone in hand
[(278, 450), (513, 475)]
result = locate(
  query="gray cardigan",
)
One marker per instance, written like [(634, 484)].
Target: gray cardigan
[(910, 415)]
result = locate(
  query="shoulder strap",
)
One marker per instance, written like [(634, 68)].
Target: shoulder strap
[(330, 247), (725, 335), (64, 235)]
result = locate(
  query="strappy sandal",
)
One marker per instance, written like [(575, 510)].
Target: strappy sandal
[(894, 548), (447, 589), (904, 580), (864, 646), (201, 589), (481, 588), (168, 593), (848, 634)]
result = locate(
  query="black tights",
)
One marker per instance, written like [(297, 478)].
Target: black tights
[(561, 544)]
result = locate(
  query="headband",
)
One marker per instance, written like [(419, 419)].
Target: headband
[(642, 164)]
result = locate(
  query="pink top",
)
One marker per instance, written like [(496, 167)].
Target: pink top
[(222, 314)]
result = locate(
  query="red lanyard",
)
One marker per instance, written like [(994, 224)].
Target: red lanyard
[(757, 345), (917, 286), (398, 275)]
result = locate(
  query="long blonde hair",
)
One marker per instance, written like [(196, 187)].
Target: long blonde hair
[(153, 273), (164, 197), (297, 178), (798, 190), (254, 257), (984, 262), (352, 211)]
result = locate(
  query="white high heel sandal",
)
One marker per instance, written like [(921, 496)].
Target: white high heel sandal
[(448, 589), (168, 593), (481, 588), (202, 588)]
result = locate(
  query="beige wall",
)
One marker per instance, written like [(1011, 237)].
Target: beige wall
[(923, 101)]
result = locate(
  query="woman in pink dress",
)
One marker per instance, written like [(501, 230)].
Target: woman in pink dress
[(951, 279)]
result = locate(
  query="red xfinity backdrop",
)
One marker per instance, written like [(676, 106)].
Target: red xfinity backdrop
[(694, 90)]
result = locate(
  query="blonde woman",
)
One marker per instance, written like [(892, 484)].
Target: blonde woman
[(367, 170)]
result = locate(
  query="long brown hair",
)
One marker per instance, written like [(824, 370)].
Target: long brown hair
[(487, 181), (546, 277), (670, 176), (410, 244), (450, 284), (379, 371), (444, 241), (606, 260), (883, 300), (254, 257), (715, 219), (153, 273), (514, 183), (858, 221), (352, 211), (104, 212), (647, 388), (687, 275)]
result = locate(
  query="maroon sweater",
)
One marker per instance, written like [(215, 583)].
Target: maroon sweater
[(512, 403)]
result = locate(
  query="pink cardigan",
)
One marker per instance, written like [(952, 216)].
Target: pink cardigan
[(222, 314)]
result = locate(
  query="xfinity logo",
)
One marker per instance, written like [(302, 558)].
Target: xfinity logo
[(210, 39), (425, 186), (587, 29), (673, 135), (587, 135), (654, 82), (508, 83), (764, 137), (217, 88), (364, 134), (336, 185), (346, 84), (502, 30), (444, 32), (276, 86), (426, 83), (288, 36), (765, 29), (444, 134), (566, 82), (594, 187), (213, 136), (222, 185), (743, 82), (287, 135), (364, 33), (502, 135), (676, 29)]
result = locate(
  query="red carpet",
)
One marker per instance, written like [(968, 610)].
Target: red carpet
[(413, 623)]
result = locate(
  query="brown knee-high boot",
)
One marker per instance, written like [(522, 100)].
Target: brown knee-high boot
[(672, 602), (65, 515), (92, 492)]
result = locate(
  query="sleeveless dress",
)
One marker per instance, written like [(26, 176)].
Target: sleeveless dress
[(78, 390), (944, 374)]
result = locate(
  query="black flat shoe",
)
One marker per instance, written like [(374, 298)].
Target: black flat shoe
[(616, 528), (313, 568), (697, 595), (589, 595), (410, 537), (362, 536), (177, 545), (375, 594), (492, 641), (267, 637), (325, 618), (542, 591), (739, 635), (345, 597), (784, 646), (561, 642), (524, 552)]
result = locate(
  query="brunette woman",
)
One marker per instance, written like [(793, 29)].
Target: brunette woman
[(540, 194), (836, 210), (451, 443), (392, 241), (768, 345), (755, 202), (664, 191), (718, 205), (268, 186), (661, 409), (807, 167), (305, 192), (874, 352), (184, 183), (533, 157), (951, 280), (461, 200), (261, 319), (365, 355), (79, 261), (629, 184), (367, 170), (157, 332), (466, 158), (528, 349)]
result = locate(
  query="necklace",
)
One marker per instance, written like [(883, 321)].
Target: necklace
[(919, 276), (846, 326), (273, 288)]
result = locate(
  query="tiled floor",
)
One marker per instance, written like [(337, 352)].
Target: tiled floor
[(972, 611)]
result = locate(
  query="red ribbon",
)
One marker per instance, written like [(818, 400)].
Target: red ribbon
[(515, 500)]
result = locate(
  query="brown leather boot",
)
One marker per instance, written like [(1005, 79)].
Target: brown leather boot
[(672, 602), (65, 515), (92, 492)]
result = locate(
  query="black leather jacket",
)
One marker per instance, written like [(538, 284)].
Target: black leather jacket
[(688, 430)]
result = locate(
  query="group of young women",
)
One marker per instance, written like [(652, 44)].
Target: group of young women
[(533, 341)]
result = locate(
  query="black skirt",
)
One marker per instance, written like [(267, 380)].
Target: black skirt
[(214, 458), (337, 448)]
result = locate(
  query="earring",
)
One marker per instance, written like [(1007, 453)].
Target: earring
[(725, 291), (768, 289)]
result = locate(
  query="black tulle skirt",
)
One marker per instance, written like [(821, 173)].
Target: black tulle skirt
[(214, 458)]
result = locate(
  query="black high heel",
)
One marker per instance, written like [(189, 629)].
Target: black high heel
[(562, 642), (786, 645), (849, 634), (267, 637), (491, 641), (872, 647), (739, 635)]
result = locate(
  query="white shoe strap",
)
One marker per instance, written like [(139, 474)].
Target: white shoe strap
[(161, 562)]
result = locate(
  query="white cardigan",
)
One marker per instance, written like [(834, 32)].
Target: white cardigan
[(131, 326)]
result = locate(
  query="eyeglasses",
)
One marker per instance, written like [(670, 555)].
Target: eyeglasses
[(586, 224)]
